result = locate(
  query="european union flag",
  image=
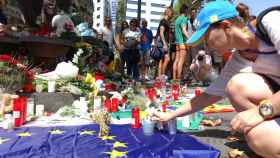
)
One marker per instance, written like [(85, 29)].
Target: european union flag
[(83, 142)]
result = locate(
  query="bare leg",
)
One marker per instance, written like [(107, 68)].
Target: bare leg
[(264, 139), (181, 62), (175, 65), (246, 90), (165, 63), (160, 65)]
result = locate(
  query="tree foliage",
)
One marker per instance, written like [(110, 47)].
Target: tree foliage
[(121, 10), (192, 4)]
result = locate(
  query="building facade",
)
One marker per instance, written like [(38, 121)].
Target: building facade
[(102, 8), (151, 10)]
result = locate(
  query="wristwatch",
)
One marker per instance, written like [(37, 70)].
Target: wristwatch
[(266, 109)]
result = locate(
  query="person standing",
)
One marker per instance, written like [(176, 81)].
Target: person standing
[(107, 32), (181, 35), (146, 43), (132, 38), (163, 39)]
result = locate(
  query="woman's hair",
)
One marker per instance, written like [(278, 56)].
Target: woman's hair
[(124, 25), (243, 11), (133, 21), (168, 8), (184, 9)]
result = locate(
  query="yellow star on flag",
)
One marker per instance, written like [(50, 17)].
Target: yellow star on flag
[(119, 144), (56, 132), (86, 132), (107, 137), (24, 134), (2, 140), (116, 154)]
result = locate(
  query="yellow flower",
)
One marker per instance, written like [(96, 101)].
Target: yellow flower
[(89, 79)]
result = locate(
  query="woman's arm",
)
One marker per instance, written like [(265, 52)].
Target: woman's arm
[(161, 33), (184, 31), (195, 104)]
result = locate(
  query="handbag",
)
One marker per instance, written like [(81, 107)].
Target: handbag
[(157, 51)]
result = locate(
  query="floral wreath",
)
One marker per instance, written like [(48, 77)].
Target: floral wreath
[(23, 68)]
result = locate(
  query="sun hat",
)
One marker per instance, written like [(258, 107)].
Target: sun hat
[(211, 13)]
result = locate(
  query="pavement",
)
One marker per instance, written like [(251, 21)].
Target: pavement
[(216, 137)]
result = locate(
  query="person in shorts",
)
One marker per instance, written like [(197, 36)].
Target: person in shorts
[(145, 47), (181, 35)]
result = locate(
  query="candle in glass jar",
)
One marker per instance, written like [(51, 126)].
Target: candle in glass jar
[(114, 105), (135, 116)]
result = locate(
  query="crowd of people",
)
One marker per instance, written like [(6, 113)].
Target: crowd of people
[(133, 43), (248, 74), (250, 78)]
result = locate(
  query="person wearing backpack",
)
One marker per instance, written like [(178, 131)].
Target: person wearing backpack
[(255, 92)]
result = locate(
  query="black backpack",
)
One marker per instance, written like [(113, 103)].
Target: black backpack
[(261, 32)]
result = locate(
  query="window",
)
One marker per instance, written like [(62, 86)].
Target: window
[(135, 10), (97, 24), (98, 16), (156, 13), (98, 1), (98, 8), (136, 2), (158, 5), (155, 20), (154, 28)]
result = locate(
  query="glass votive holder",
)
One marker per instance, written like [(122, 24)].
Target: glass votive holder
[(148, 127), (172, 129)]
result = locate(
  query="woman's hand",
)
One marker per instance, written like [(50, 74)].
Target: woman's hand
[(244, 121), (161, 116)]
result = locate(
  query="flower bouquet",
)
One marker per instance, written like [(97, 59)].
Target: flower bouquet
[(14, 75)]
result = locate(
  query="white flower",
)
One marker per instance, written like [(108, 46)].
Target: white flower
[(80, 52), (75, 59)]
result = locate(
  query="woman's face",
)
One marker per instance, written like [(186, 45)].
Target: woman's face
[(169, 13), (133, 26)]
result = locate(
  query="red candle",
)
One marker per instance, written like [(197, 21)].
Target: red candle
[(114, 105), (23, 101), (107, 105), (18, 112), (135, 116), (197, 91), (150, 94), (175, 91)]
